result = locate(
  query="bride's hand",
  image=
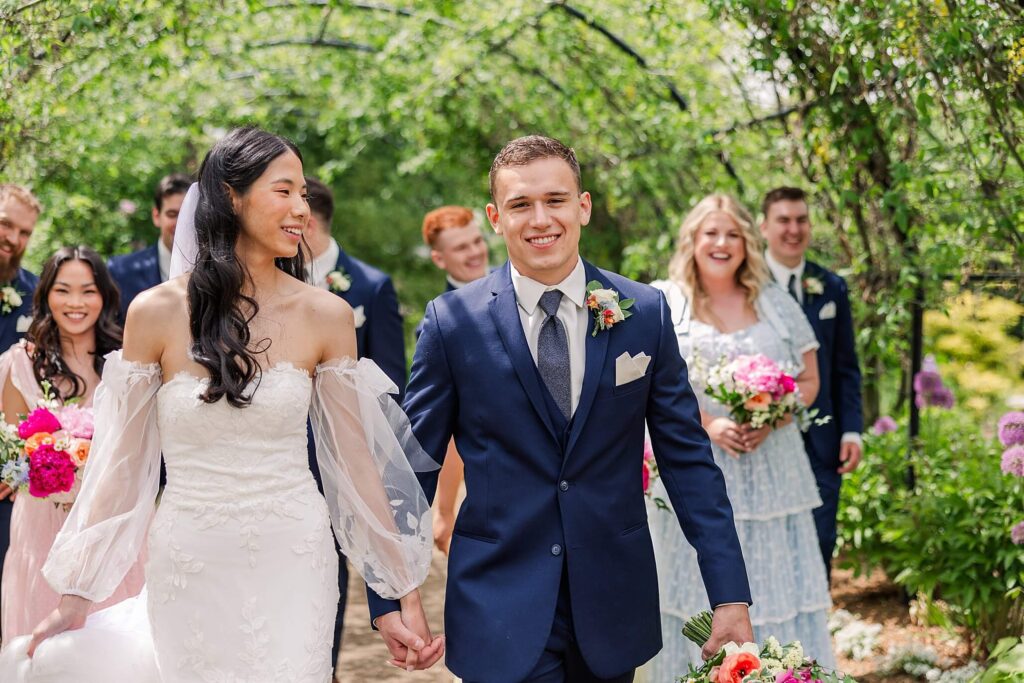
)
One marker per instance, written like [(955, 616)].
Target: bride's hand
[(727, 435), (69, 616), (752, 437), (407, 635)]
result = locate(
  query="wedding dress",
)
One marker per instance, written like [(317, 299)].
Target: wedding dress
[(241, 577)]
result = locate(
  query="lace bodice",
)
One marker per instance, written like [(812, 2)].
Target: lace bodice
[(216, 454)]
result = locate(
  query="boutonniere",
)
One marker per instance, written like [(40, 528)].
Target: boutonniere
[(338, 281), (10, 299), (606, 307), (813, 286)]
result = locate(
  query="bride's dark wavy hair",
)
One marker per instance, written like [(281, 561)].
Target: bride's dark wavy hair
[(219, 310), (48, 360)]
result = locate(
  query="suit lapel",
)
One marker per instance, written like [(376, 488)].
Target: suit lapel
[(597, 350), (505, 313), (345, 266)]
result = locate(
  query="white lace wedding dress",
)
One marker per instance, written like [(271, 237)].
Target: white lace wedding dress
[(241, 578)]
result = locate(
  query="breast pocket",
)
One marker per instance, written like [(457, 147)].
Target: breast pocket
[(637, 385)]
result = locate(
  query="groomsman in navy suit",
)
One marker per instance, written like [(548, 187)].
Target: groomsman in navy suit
[(834, 448), (379, 334), (19, 211), (457, 247), (137, 272), (551, 575)]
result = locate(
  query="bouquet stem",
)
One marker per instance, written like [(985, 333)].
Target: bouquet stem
[(698, 628)]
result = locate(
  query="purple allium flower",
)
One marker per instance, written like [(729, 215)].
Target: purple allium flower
[(127, 207), (928, 387), (1017, 533), (1013, 461), (884, 425), (1011, 428)]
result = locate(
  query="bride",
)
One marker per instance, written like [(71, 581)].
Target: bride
[(219, 371)]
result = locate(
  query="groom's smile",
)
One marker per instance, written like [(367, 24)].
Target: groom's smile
[(539, 210)]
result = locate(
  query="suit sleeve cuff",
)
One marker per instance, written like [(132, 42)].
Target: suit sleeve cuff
[(852, 437), (725, 604)]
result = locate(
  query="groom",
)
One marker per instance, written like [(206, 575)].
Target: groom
[(551, 575)]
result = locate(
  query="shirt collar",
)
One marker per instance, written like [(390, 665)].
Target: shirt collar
[(529, 291), (163, 255), (781, 273), (323, 264), (457, 284)]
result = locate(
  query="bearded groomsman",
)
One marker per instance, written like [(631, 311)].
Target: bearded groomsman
[(19, 211), (137, 272), (457, 247), (379, 334), (834, 448)]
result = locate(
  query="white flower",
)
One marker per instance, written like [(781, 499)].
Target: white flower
[(338, 281), (11, 296), (771, 666), (794, 656), (732, 648), (813, 285), (605, 295), (772, 647)]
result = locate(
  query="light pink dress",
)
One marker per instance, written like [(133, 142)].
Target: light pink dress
[(25, 596)]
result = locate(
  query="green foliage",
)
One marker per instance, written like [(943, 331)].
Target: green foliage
[(949, 536), (1006, 664), (977, 339)]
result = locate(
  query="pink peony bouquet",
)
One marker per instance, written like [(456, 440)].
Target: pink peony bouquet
[(759, 392), (46, 451), (748, 663)]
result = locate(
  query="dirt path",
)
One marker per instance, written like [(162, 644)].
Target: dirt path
[(364, 657)]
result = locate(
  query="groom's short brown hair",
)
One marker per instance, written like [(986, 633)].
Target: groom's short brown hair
[(524, 150)]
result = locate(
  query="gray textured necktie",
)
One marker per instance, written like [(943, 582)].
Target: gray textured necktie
[(793, 288), (553, 353)]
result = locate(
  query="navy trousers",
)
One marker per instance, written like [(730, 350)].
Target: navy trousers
[(829, 482), (6, 507)]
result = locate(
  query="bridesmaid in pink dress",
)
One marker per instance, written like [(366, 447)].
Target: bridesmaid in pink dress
[(75, 326)]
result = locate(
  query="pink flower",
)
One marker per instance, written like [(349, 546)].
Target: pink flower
[(77, 420), (884, 425), (788, 384), (50, 472), (1013, 461), (1017, 533), (39, 420), (790, 676), (1011, 428), (127, 207)]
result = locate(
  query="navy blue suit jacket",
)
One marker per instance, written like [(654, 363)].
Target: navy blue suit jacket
[(538, 498), (25, 283), (839, 395), (419, 326), (135, 273)]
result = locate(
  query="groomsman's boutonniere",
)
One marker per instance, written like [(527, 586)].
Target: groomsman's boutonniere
[(606, 307), (338, 281), (813, 286), (10, 299)]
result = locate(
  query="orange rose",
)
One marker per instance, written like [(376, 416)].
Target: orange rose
[(36, 440), (79, 451), (738, 666), (759, 402)]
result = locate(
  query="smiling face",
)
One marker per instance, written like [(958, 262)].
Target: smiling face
[(719, 248), (17, 221), (787, 229), (461, 252), (273, 212), (539, 212), (74, 300), (166, 217)]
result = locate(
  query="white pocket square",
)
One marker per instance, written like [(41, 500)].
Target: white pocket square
[(24, 322), (360, 316), (828, 311), (630, 368)]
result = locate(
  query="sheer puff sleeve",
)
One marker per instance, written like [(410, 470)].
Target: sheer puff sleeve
[(368, 458), (106, 529)]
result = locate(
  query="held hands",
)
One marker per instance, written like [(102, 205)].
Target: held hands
[(730, 623), (407, 636), (69, 616), (6, 491)]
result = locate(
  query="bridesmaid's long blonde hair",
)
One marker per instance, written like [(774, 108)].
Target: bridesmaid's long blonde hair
[(682, 269)]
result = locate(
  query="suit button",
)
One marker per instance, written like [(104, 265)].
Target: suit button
[(556, 549), (563, 485)]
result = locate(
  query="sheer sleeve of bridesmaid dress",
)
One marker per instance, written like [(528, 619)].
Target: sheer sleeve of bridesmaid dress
[(368, 458)]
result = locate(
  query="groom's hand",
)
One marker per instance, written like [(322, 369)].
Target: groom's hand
[(407, 636), (730, 623)]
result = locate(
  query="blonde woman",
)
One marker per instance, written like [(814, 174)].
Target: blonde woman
[(724, 303)]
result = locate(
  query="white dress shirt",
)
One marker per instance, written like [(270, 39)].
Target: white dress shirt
[(781, 274), (572, 312), (319, 267), (163, 258)]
